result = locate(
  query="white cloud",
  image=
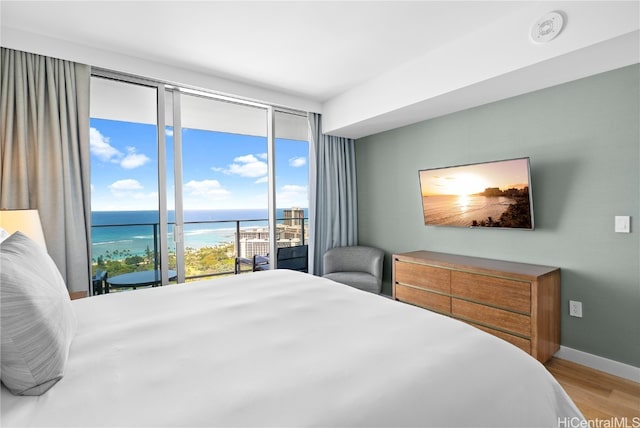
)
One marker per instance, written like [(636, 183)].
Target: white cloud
[(261, 180), (252, 170), (246, 159), (297, 162), (247, 166), (133, 159), (100, 147), (292, 195), (168, 132), (263, 156), (130, 190), (294, 188), (211, 189), (125, 185)]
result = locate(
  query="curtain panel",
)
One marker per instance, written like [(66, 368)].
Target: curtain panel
[(333, 193), (44, 154)]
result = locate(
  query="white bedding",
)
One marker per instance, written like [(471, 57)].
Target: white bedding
[(282, 348)]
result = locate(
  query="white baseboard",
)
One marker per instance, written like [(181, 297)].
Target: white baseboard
[(600, 363)]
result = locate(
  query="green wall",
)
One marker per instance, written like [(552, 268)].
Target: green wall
[(583, 139)]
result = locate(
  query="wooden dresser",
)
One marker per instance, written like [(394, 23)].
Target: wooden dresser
[(517, 302)]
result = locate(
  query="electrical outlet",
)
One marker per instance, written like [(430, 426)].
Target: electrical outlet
[(575, 308)]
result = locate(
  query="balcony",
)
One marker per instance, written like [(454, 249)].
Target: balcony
[(212, 248)]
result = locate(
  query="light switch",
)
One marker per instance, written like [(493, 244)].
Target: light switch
[(623, 224)]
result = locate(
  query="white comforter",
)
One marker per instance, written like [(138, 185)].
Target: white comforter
[(281, 348)]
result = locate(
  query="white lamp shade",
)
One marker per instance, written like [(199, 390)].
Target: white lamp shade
[(25, 221)]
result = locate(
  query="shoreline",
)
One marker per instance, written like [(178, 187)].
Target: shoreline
[(205, 260), (143, 253)]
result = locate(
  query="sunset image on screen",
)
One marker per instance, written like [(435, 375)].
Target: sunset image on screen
[(493, 194), (457, 184)]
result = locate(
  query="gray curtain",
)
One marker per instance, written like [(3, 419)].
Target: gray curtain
[(44, 153), (333, 209)]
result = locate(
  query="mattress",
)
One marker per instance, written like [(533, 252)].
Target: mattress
[(286, 349)]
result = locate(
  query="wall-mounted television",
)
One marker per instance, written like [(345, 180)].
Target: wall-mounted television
[(487, 194)]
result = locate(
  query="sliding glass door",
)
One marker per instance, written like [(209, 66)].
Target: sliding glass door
[(221, 184), (125, 204), (189, 184), (291, 188)]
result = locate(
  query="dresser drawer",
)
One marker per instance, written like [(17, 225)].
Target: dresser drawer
[(499, 292), (524, 344), (425, 277), (517, 302), (492, 317), (422, 298)]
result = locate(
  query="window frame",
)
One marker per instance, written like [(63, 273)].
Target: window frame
[(176, 91)]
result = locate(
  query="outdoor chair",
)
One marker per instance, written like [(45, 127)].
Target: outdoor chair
[(293, 258), (99, 282)]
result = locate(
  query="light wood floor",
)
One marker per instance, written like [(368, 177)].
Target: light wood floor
[(597, 394)]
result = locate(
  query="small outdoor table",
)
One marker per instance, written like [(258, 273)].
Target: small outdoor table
[(138, 279)]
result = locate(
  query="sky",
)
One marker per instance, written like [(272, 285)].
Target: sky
[(472, 179), (220, 170)]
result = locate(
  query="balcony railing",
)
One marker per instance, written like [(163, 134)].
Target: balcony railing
[(133, 247)]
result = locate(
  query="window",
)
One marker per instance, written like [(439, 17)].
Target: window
[(210, 169), (124, 177)]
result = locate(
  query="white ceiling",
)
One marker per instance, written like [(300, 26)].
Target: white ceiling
[(367, 65)]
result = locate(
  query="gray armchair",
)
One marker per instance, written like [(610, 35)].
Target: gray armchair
[(357, 266)]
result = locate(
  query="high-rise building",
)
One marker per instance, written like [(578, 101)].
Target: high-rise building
[(293, 216), (250, 247), (291, 232)]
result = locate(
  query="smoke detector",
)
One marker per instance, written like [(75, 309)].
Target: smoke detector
[(547, 28)]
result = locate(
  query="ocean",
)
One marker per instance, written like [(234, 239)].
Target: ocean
[(463, 210), (115, 231)]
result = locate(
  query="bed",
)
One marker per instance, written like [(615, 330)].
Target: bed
[(273, 348), (287, 349)]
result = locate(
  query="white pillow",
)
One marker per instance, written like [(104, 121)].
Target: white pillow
[(3, 234), (37, 322)]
